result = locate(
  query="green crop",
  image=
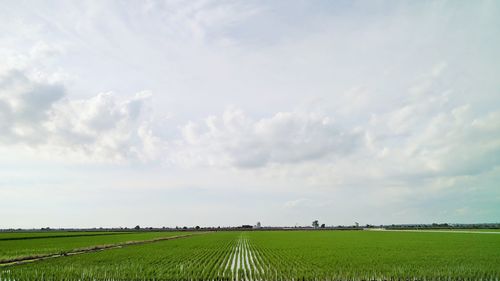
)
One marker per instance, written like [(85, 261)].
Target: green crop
[(52, 234), (29, 245), (283, 255)]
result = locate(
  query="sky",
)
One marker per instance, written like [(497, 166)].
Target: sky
[(223, 113)]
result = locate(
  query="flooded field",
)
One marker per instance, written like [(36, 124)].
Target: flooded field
[(281, 255)]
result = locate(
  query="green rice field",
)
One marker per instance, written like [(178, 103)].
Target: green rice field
[(15, 246), (279, 255)]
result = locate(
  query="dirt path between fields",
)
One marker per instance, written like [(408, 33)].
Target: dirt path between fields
[(97, 248)]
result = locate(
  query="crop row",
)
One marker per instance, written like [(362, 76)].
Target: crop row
[(256, 256), (34, 245)]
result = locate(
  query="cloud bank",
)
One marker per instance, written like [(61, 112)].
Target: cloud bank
[(428, 136), (38, 116), (377, 110), (285, 138)]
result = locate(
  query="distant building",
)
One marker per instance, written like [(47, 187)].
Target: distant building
[(356, 224), (258, 225)]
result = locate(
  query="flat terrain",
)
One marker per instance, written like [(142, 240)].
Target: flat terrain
[(283, 255), (18, 246), (47, 234), (485, 231)]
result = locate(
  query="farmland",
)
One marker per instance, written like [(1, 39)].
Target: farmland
[(282, 255), (18, 246)]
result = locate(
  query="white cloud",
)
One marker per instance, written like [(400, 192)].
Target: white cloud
[(338, 100), (285, 138), (427, 137), (102, 127), (24, 106), (35, 115), (428, 140)]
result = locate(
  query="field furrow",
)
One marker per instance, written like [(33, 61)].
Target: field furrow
[(276, 255)]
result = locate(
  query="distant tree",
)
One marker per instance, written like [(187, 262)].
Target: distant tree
[(185, 227), (197, 227), (323, 225), (137, 227), (315, 224)]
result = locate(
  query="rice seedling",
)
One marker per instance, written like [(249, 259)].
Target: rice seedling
[(283, 255)]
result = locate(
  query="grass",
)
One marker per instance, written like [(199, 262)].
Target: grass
[(37, 235), (468, 229), (388, 254), (283, 255), (16, 246), (180, 258)]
